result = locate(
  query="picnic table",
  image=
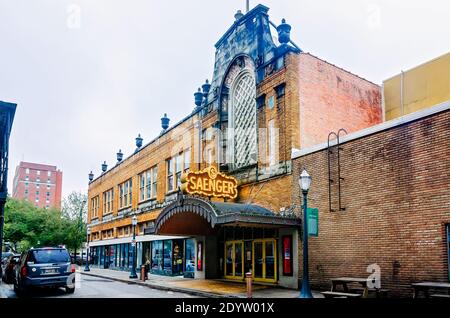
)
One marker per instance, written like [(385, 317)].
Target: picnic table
[(426, 286), (345, 281)]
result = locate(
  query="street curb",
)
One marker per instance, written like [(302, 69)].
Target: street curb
[(193, 292)]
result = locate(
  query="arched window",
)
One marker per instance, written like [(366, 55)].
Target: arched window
[(243, 142)]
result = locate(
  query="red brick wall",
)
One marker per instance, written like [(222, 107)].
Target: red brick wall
[(397, 199), (332, 98)]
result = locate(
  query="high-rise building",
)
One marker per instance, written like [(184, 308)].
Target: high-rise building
[(41, 184)]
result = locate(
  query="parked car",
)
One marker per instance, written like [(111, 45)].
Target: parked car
[(5, 255), (44, 267), (9, 268)]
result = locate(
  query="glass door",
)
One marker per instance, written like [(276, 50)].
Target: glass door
[(234, 259), (265, 260), (177, 258), (258, 260), (238, 259), (189, 270)]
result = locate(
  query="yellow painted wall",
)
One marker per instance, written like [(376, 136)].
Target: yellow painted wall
[(423, 86)]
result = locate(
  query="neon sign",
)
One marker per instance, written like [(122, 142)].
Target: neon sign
[(211, 183)]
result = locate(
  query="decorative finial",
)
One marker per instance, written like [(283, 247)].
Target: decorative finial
[(238, 15), (206, 87), (165, 122), (198, 97), (119, 156), (139, 141), (284, 32)]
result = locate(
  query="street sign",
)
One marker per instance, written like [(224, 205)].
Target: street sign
[(313, 222)]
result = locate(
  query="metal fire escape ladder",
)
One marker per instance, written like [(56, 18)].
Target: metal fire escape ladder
[(330, 181), (339, 178)]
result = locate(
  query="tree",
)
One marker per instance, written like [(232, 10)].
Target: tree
[(73, 204), (27, 225)]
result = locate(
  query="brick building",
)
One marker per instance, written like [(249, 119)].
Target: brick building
[(7, 113), (393, 206), (265, 100), (38, 183)]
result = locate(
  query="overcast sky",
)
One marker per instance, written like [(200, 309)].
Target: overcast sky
[(86, 86)]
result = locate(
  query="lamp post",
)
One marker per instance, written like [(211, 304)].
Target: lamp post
[(80, 223), (305, 183), (86, 268), (133, 246)]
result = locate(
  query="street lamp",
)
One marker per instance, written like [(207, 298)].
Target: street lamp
[(133, 246), (80, 223), (305, 183), (86, 268)]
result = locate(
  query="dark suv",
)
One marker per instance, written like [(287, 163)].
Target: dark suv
[(45, 267)]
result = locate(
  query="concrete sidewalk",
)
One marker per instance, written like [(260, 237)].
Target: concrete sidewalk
[(198, 287)]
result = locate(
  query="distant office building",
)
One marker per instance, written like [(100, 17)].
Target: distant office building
[(38, 183)]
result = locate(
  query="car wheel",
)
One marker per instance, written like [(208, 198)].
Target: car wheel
[(70, 290)]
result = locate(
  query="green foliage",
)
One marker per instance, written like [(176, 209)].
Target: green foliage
[(73, 204), (26, 226)]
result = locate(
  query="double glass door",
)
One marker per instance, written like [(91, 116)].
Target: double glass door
[(261, 259), (234, 256), (265, 260)]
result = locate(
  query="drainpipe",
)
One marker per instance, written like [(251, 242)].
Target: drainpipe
[(401, 93)]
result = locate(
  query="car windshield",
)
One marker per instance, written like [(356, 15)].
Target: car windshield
[(51, 256)]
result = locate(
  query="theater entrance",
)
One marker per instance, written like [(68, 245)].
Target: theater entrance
[(234, 260), (258, 256), (231, 239), (265, 260)]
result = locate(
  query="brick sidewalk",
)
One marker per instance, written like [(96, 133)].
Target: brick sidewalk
[(198, 287)]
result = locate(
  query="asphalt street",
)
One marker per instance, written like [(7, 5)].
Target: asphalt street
[(95, 287)]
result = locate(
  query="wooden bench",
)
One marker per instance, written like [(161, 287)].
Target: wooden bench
[(330, 294), (426, 287), (439, 296), (380, 293)]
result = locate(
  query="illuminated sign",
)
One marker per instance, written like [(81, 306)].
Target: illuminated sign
[(211, 183)]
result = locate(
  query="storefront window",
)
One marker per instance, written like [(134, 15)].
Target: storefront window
[(119, 255), (101, 255), (94, 256), (157, 256), (124, 255), (131, 255), (167, 252), (112, 255), (146, 260)]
